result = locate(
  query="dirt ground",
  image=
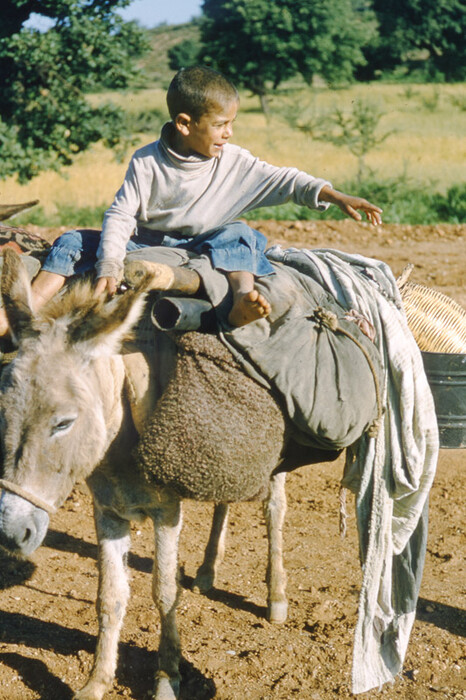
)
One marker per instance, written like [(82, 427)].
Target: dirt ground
[(47, 617)]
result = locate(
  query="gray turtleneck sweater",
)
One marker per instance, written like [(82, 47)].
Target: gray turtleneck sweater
[(165, 192)]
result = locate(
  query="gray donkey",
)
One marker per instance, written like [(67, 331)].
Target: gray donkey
[(64, 416)]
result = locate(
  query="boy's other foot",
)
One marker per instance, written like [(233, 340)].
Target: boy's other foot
[(249, 307)]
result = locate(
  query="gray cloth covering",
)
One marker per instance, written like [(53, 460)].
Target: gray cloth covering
[(327, 382), (392, 473)]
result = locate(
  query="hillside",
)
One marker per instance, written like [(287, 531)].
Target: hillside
[(162, 38)]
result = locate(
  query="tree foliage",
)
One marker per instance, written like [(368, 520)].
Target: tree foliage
[(261, 43), (407, 27), (356, 130), (45, 118), (184, 54)]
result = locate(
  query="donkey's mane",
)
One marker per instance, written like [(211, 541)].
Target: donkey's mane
[(77, 300), (81, 315)]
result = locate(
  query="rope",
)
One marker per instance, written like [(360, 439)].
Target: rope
[(330, 320), (19, 491), (7, 357), (342, 511)]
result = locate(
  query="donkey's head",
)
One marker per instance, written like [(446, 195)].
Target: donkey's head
[(60, 399)]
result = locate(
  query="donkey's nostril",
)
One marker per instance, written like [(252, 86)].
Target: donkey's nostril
[(27, 536)]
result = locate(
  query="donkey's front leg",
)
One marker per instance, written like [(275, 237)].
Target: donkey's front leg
[(274, 511), (167, 523), (113, 535), (214, 551)]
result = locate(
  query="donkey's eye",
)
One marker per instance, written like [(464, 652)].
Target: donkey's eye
[(63, 424)]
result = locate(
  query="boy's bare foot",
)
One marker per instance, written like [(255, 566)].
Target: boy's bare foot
[(249, 307)]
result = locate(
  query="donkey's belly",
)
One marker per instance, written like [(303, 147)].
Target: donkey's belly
[(216, 434)]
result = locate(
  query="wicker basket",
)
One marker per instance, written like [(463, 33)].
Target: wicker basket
[(437, 322)]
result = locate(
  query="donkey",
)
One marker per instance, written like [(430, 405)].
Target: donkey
[(64, 416)]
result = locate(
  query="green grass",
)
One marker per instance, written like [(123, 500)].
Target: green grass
[(65, 215)]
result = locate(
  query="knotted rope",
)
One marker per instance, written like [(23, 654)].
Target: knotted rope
[(330, 320), (19, 491), (342, 511)]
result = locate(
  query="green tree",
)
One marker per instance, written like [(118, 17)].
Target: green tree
[(184, 54), (355, 127), (45, 118), (333, 34), (357, 130), (407, 27), (261, 43)]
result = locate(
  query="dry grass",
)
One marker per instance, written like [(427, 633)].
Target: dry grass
[(428, 142)]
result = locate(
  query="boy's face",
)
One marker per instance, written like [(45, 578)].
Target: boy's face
[(209, 134)]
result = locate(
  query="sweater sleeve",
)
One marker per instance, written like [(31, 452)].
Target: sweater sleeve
[(266, 185), (119, 223)]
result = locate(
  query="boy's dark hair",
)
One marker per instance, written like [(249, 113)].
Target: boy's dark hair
[(198, 90)]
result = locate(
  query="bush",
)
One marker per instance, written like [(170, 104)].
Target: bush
[(184, 54), (451, 207)]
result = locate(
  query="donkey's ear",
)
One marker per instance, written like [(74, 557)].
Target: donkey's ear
[(16, 294), (101, 330)]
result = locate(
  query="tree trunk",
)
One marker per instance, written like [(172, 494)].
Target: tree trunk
[(265, 107)]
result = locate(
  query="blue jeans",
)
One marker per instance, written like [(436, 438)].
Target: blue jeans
[(231, 248)]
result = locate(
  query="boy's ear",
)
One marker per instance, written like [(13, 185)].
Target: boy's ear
[(183, 123)]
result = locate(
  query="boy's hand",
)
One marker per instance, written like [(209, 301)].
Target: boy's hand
[(350, 205), (105, 284)]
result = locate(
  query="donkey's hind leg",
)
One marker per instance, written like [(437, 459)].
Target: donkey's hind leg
[(274, 512), (214, 551), (167, 523), (113, 535)]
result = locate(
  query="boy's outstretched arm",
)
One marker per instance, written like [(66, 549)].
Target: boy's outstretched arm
[(350, 205)]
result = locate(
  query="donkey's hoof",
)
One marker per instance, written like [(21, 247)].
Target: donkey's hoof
[(91, 691), (166, 688), (277, 611), (204, 581)]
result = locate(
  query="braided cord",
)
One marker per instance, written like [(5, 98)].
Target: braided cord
[(330, 320), (19, 491)]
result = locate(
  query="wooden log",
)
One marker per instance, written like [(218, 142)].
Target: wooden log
[(163, 277)]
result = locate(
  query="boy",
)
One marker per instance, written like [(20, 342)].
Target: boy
[(187, 190)]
